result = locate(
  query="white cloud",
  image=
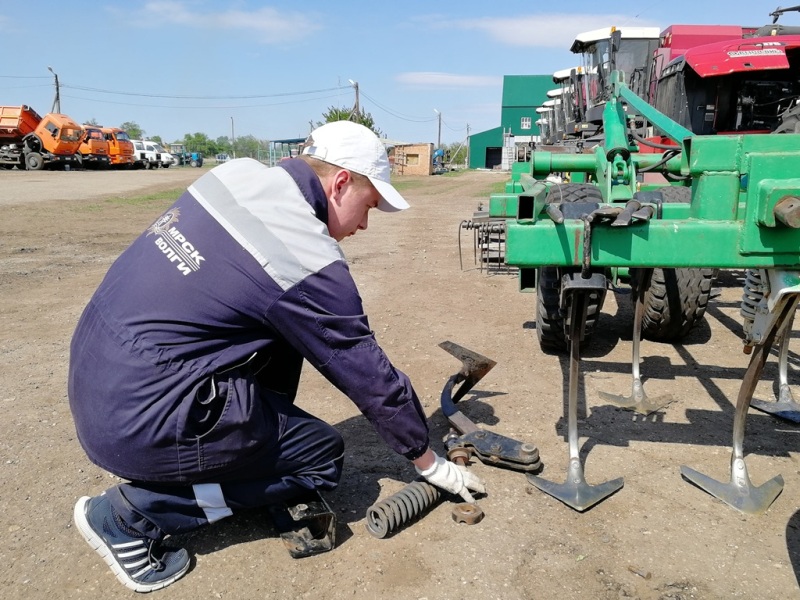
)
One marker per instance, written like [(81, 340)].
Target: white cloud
[(447, 80), (545, 30), (271, 25)]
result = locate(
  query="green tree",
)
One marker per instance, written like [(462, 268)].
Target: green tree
[(133, 129), (199, 142), (92, 121), (347, 114), (157, 138), (248, 145), (223, 144), (457, 152)]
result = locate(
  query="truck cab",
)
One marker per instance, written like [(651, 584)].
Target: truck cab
[(120, 148), (94, 148), (167, 160), (146, 154)]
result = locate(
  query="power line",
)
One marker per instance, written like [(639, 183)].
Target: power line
[(25, 76), (398, 115), (186, 97), (206, 107)]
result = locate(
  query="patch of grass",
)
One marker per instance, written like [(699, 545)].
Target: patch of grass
[(156, 197), (407, 184), (498, 187), (165, 197)]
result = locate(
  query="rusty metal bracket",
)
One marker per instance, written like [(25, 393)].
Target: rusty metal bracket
[(491, 448), (307, 527)]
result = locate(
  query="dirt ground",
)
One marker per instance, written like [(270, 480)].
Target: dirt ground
[(657, 538)]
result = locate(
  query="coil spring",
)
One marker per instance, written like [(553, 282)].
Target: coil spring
[(752, 293), (484, 227), (399, 509)]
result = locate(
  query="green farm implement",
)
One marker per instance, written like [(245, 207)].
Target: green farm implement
[(730, 202)]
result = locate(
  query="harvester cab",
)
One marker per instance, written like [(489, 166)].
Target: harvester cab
[(566, 79), (544, 123), (556, 96), (625, 49)]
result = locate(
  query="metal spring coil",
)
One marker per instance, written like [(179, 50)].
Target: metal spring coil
[(752, 293), (491, 227), (399, 509)]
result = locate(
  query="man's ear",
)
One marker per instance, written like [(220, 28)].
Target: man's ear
[(340, 179)]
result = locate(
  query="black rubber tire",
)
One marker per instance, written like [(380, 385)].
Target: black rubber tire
[(549, 320), (34, 161), (677, 298), (194, 163)]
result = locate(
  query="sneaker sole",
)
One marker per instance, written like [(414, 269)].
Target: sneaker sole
[(99, 546)]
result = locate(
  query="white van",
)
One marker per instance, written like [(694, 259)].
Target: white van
[(167, 159), (146, 154)]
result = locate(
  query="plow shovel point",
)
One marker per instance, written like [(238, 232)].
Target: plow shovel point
[(472, 361)]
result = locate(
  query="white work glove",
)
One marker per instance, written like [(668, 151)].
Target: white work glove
[(452, 478)]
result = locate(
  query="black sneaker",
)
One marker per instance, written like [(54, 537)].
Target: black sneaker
[(140, 563)]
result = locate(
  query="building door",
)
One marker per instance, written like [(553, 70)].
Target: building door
[(494, 157)]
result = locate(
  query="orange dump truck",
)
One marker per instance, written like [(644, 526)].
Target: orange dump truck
[(94, 148), (120, 147), (28, 141)]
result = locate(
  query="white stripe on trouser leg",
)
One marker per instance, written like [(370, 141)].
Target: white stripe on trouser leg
[(210, 499)]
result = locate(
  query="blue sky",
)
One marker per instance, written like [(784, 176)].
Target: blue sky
[(268, 68)]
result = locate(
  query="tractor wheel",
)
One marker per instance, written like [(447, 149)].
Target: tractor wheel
[(34, 161), (549, 319), (677, 298), (194, 163)]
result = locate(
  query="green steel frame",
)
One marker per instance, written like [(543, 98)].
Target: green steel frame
[(743, 212)]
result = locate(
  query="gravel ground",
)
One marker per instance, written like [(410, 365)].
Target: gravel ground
[(657, 538)]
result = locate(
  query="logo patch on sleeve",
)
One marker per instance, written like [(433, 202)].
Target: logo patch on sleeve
[(173, 244)]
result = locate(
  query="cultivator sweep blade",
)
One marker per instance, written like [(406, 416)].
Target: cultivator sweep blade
[(785, 407)]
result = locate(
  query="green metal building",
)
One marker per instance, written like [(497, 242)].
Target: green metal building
[(522, 95)]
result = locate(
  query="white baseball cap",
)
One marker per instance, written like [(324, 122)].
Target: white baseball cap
[(356, 148)]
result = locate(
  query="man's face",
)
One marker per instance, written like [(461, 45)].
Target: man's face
[(349, 205)]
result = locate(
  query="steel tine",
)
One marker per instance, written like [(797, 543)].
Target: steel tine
[(575, 492), (638, 401), (739, 492)]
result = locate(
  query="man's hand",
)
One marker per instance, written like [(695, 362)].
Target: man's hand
[(452, 478)]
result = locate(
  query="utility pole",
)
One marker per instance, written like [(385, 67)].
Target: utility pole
[(57, 99), (233, 140), (439, 138), (467, 146), (355, 115)]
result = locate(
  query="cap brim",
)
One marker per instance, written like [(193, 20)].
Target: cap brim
[(391, 200)]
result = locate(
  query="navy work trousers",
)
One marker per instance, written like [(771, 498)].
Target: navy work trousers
[(308, 455)]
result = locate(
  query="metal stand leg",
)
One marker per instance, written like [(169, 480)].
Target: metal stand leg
[(739, 492), (638, 400), (575, 492), (785, 407)]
